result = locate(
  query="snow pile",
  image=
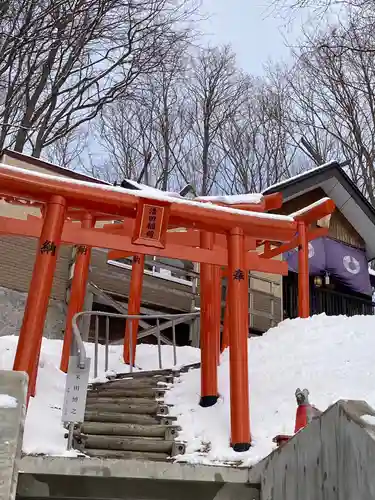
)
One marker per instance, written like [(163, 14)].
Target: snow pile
[(331, 356), (44, 432), (7, 401), (236, 199)]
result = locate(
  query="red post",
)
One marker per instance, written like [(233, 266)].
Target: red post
[(77, 292), (303, 272), (30, 338), (216, 287), (134, 307), (225, 339), (209, 390), (238, 334)]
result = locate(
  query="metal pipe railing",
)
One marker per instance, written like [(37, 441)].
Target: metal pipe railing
[(108, 316), (78, 347)]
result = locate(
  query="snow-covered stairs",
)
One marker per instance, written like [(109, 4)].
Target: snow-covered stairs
[(126, 418)]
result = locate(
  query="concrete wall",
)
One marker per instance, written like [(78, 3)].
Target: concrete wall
[(332, 459), (13, 384), (130, 489), (12, 305), (132, 479)]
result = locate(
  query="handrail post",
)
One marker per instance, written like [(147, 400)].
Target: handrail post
[(81, 352), (174, 343), (106, 343), (70, 436), (131, 346), (96, 347), (159, 343)]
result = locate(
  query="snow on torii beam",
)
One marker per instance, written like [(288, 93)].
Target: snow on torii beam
[(39, 187)]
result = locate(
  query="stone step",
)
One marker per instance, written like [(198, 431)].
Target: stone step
[(110, 392), (115, 429), (122, 401), (151, 408), (127, 418), (99, 442), (128, 455), (131, 384), (167, 372)]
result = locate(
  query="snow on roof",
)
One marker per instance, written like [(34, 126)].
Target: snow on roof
[(306, 173), (147, 192), (144, 187), (236, 199), (51, 166), (331, 356), (309, 207)]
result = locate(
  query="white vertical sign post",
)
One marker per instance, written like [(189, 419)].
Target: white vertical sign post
[(77, 380)]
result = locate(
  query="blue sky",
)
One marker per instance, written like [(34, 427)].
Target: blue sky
[(256, 34)]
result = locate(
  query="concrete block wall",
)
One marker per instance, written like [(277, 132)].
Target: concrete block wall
[(12, 305), (12, 419)]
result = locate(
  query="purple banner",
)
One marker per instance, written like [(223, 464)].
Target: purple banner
[(317, 257), (346, 264)]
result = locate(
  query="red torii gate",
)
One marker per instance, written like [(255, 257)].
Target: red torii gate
[(153, 215), (210, 281)]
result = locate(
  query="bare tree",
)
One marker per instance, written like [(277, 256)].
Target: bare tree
[(346, 17), (67, 151), (214, 90), (63, 62), (149, 124), (257, 139), (333, 98)]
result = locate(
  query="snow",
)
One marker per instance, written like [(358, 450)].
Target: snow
[(330, 356), (149, 193), (7, 401), (369, 419), (144, 187), (48, 438), (237, 199), (163, 274), (304, 210), (52, 166)]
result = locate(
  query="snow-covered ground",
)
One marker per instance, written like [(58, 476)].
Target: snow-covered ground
[(44, 432), (331, 356)]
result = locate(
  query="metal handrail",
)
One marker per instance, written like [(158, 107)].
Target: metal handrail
[(81, 352), (78, 347)]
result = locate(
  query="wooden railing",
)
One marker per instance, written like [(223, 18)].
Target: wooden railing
[(331, 302)]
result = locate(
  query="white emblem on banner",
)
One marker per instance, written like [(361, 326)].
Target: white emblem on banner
[(311, 251), (351, 264)]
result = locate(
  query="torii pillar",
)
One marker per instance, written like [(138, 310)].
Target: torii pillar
[(31, 333), (238, 341), (210, 328), (77, 292)]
